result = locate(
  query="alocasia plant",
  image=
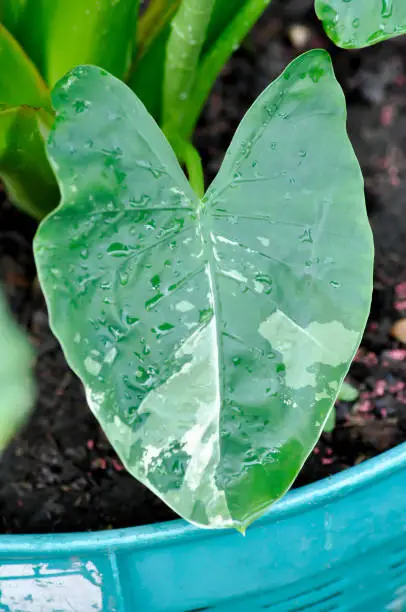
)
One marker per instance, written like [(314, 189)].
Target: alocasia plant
[(211, 335), (211, 331)]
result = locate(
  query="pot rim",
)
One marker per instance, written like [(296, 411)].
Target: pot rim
[(322, 492)]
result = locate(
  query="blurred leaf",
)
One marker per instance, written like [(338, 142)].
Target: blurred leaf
[(16, 381), (20, 81), (348, 393), (213, 60), (331, 421), (148, 89), (154, 20), (186, 40), (24, 167), (11, 13), (152, 37), (59, 34), (353, 24), (152, 62), (211, 335), (223, 13)]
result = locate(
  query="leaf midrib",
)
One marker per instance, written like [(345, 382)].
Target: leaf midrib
[(205, 225)]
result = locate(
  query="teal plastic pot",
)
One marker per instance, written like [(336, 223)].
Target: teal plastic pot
[(337, 545)]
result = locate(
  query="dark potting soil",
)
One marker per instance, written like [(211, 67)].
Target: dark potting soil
[(60, 473)]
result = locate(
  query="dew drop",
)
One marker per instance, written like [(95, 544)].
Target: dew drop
[(141, 374), (266, 281), (166, 326), (118, 249), (387, 8), (105, 285), (81, 105), (130, 320), (149, 304), (246, 147), (315, 73), (155, 281), (123, 278), (306, 236)]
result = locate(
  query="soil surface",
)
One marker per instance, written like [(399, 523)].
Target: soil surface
[(60, 473)]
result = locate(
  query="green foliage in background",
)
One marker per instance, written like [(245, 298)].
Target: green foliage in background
[(170, 56), (348, 393), (16, 383)]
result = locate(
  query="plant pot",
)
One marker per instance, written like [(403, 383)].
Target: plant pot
[(336, 545)]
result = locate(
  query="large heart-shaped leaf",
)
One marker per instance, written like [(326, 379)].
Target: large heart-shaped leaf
[(16, 383), (211, 336), (359, 23)]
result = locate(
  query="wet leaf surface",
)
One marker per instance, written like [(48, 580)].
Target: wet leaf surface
[(211, 337), (359, 23)]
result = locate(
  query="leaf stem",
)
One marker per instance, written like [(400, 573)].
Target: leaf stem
[(214, 60), (193, 163), (187, 37)]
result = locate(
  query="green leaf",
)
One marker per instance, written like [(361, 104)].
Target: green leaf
[(20, 81), (213, 60), (230, 22), (16, 383), (223, 13), (331, 421), (24, 167), (154, 28), (353, 24), (153, 21), (348, 393), (188, 33), (148, 89), (211, 336), (11, 13), (58, 34)]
